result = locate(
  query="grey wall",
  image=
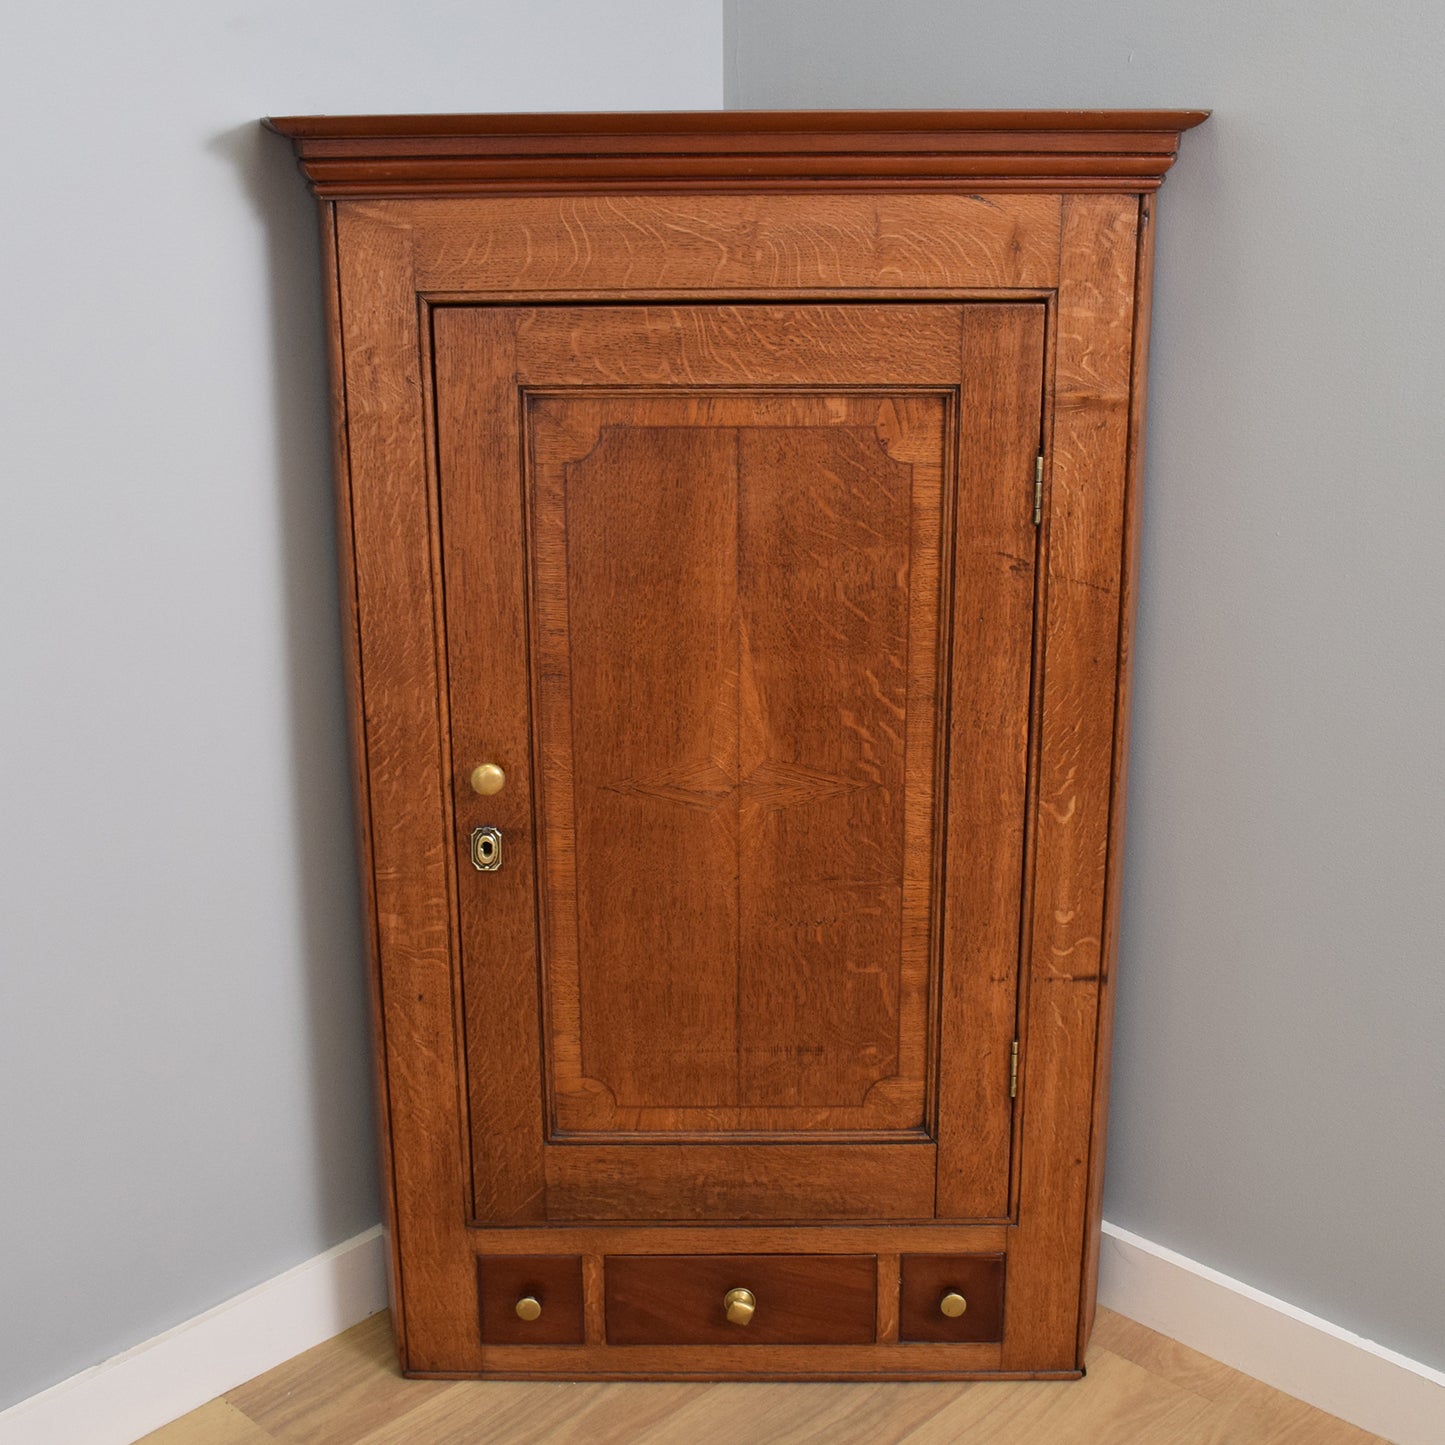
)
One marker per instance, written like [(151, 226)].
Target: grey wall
[(1279, 1095), (186, 1097), (182, 1032)]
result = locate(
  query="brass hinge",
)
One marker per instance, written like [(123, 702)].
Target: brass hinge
[(1038, 489), (1013, 1071)]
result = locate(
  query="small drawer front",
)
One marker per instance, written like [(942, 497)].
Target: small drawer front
[(530, 1299), (931, 1288), (796, 1299)]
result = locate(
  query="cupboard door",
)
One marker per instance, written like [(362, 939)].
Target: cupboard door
[(740, 600)]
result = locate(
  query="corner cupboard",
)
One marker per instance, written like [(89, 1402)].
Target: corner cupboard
[(738, 517)]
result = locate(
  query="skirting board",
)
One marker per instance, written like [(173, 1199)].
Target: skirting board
[(138, 1391), (155, 1382), (1293, 1351)]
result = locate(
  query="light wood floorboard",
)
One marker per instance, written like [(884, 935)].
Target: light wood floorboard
[(1141, 1389)]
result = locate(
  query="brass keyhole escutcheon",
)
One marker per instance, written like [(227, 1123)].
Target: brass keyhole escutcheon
[(528, 1308), (486, 848), (952, 1304), (738, 1305), (486, 779)]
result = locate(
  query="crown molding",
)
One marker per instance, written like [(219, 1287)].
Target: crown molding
[(362, 157)]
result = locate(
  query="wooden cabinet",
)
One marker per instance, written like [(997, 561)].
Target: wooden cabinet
[(738, 524)]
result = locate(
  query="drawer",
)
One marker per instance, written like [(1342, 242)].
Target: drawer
[(797, 1299), (930, 1282), (530, 1299)]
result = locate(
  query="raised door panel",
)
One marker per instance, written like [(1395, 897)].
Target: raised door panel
[(709, 980), (736, 628)]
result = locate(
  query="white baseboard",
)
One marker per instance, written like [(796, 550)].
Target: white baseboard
[(131, 1394), (1296, 1352)]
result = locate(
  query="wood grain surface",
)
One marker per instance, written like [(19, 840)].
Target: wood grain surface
[(1084, 521), (735, 620), (410, 838), (635, 248), (823, 1299), (990, 675), (356, 728), (709, 518), (1114, 863), (739, 857), (486, 601), (1140, 1386), (924, 1279), (553, 1280)]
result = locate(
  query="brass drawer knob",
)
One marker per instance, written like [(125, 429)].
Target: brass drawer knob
[(738, 1305), (528, 1308), (486, 779), (952, 1304)]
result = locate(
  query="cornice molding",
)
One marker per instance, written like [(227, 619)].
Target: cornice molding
[(361, 157)]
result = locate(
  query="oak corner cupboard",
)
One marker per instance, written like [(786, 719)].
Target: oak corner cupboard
[(738, 515)]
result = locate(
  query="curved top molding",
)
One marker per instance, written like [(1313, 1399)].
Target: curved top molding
[(352, 157)]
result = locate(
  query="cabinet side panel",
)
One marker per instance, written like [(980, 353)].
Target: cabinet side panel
[(1084, 519), (1114, 872), (391, 524), (351, 646)]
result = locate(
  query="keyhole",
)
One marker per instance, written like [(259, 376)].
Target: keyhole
[(486, 850)]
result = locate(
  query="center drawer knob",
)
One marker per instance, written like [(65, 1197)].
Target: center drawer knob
[(952, 1304), (528, 1308), (738, 1305)]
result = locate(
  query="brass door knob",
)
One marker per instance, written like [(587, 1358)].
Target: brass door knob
[(738, 1305), (952, 1304), (528, 1308), (486, 779)]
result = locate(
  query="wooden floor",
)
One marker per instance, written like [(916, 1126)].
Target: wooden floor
[(1141, 1389)]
